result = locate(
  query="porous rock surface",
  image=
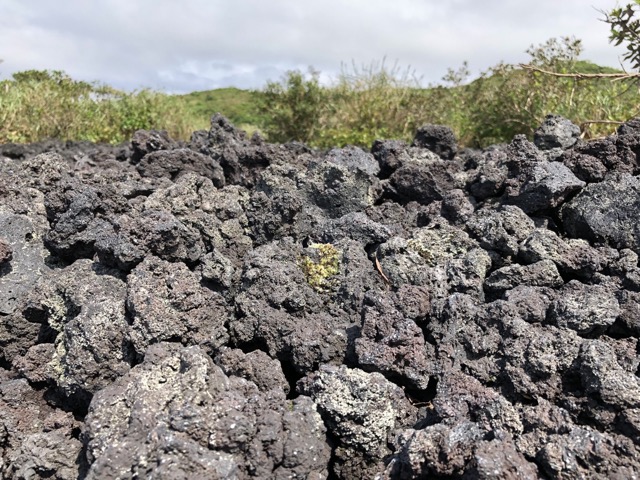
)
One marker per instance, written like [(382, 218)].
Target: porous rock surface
[(228, 308)]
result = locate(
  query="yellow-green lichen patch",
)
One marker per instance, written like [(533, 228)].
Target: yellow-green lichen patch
[(437, 245), (319, 267)]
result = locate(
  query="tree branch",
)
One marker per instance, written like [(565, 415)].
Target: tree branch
[(580, 76)]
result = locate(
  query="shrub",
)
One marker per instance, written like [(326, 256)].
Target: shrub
[(294, 107), (35, 105), (379, 102)]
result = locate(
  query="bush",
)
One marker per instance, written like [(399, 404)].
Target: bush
[(294, 107), (508, 100), (35, 105), (377, 102)]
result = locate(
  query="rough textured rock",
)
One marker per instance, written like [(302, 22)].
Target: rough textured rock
[(556, 132), (229, 308), (606, 212), (543, 186), (424, 178), (144, 142), (584, 308), (571, 256), (437, 138), (178, 414), (540, 274), (82, 306), (172, 163), (37, 440), (166, 303), (394, 345), (23, 259), (345, 398), (354, 158)]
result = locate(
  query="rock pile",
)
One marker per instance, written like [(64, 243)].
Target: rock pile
[(229, 308)]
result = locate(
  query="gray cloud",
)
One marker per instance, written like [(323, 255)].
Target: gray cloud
[(202, 44)]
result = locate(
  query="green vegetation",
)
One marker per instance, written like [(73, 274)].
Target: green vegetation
[(505, 100), (239, 106), (625, 28), (357, 107), (35, 105)]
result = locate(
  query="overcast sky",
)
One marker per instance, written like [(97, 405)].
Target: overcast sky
[(187, 45)]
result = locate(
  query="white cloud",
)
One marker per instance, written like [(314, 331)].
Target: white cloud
[(201, 44)]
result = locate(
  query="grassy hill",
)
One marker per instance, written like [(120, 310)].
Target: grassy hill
[(242, 107)]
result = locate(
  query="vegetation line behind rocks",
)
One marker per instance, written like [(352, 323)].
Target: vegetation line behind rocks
[(360, 105)]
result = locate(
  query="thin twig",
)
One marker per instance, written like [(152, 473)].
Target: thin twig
[(614, 122), (379, 268), (611, 76)]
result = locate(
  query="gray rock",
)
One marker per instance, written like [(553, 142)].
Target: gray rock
[(79, 215), (298, 320), (217, 268), (353, 158), (425, 180), (440, 256), (166, 302), (6, 252), (361, 410), (570, 455), (606, 212), (500, 230), (571, 256), (84, 305), (255, 366), (389, 154), (542, 186), (147, 141), (356, 226), (217, 216), (602, 374), (24, 259), (394, 345), (36, 440), (540, 274), (176, 162), (531, 303), (437, 138), (178, 414), (556, 132), (584, 308), (437, 450), (490, 176), (629, 127), (153, 232)]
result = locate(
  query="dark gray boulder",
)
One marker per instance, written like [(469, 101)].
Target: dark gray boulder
[(144, 142), (166, 302), (424, 178), (540, 274), (176, 162), (606, 212), (437, 138), (345, 399), (585, 308), (543, 186), (556, 132), (394, 345), (23, 260), (37, 440), (178, 414), (353, 158), (571, 256)]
